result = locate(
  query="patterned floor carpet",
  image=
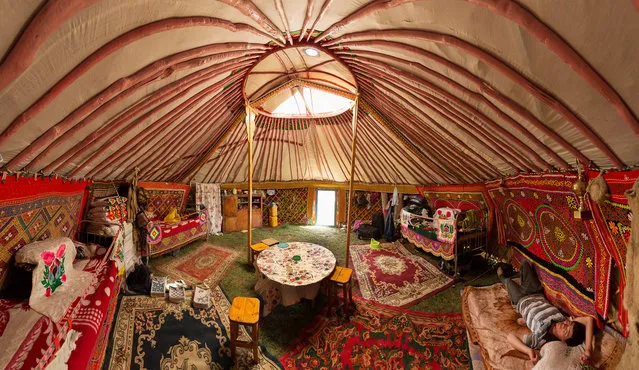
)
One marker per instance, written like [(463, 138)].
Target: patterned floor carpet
[(394, 276), (381, 337), (202, 263), (152, 333)]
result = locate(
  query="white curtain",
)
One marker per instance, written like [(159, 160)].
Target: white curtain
[(209, 196)]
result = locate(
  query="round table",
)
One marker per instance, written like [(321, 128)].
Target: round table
[(291, 273)]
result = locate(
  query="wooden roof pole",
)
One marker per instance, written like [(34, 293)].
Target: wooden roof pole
[(350, 185), (250, 130)]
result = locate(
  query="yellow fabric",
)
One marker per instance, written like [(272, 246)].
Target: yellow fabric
[(173, 216)]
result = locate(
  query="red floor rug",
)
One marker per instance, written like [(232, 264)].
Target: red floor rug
[(201, 262), (392, 275), (381, 337)]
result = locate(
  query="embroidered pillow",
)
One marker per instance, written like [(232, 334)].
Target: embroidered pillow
[(55, 283)]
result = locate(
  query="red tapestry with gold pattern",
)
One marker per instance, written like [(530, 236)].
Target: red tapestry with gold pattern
[(534, 213), (35, 210), (163, 196)]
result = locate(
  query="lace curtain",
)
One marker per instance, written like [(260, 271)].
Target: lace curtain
[(209, 196)]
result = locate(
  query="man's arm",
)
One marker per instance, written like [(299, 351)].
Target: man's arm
[(516, 342), (589, 323)]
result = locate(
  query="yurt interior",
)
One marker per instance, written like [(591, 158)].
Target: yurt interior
[(319, 184)]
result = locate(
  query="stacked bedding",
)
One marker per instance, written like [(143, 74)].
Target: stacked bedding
[(107, 213)]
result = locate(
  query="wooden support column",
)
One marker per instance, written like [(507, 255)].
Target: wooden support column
[(250, 130), (350, 185), (341, 206), (310, 204)]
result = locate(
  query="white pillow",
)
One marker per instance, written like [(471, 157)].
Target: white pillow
[(558, 355)]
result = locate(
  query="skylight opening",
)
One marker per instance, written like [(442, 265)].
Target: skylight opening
[(311, 52), (311, 102)]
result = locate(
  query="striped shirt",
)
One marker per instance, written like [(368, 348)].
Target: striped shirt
[(539, 315)]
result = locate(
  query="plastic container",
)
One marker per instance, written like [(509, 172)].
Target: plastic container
[(273, 221), (375, 244)]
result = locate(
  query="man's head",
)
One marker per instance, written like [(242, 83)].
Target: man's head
[(571, 332)]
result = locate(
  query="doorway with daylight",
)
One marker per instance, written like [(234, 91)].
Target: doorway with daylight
[(325, 207)]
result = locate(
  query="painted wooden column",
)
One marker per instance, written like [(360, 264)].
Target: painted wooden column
[(341, 206), (310, 204), (250, 130), (350, 185)]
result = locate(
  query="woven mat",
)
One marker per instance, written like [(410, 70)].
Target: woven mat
[(152, 333), (394, 276), (381, 337), (201, 263)]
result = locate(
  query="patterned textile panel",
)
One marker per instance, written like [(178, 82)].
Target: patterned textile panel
[(613, 219), (33, 210), (163, 196), (365, 212), (534, 214), (464, 197), (292, 206), (567, 300), (613, 216), (172, 242), (437, 248)]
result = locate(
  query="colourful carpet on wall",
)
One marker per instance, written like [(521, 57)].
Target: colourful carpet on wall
[(152, 333), (202, 263), (394, 276), (381, 337)]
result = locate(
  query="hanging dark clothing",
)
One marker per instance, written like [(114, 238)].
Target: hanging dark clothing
[(389, 225)]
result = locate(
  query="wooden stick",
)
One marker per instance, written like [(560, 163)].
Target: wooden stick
[(350, 185)]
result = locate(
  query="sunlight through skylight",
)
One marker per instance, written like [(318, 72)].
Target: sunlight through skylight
[(311, 102)]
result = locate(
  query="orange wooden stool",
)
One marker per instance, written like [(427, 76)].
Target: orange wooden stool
[(255, 250), (341, 278), (245, 311)]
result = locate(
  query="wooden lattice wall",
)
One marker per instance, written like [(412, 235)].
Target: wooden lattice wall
[(365, 213), (291, 206)]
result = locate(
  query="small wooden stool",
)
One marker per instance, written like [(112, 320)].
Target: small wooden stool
[(245, 311), (341, 278), (255, 250)]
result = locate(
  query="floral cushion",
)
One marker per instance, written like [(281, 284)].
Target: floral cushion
[(55, 283)]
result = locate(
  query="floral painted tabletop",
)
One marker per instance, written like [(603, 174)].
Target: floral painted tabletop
[(296, 263)]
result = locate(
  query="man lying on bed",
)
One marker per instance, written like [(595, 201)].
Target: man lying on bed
[(545, 321)]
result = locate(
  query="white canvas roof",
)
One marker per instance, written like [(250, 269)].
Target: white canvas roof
[(450, 91)]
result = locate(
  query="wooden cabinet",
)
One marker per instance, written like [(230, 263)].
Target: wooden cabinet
[(235, 209)]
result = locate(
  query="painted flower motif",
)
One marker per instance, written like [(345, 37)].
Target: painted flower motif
[(47, 257), (54, 275), (589, 262), (584, 236), (536, 195), (60, 252), (549, 198)]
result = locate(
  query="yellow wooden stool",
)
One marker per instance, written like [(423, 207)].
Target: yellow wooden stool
[(254, 251), (245, 311), (341, 278)]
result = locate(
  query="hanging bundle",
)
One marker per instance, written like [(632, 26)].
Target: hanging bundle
[(598, 189)]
